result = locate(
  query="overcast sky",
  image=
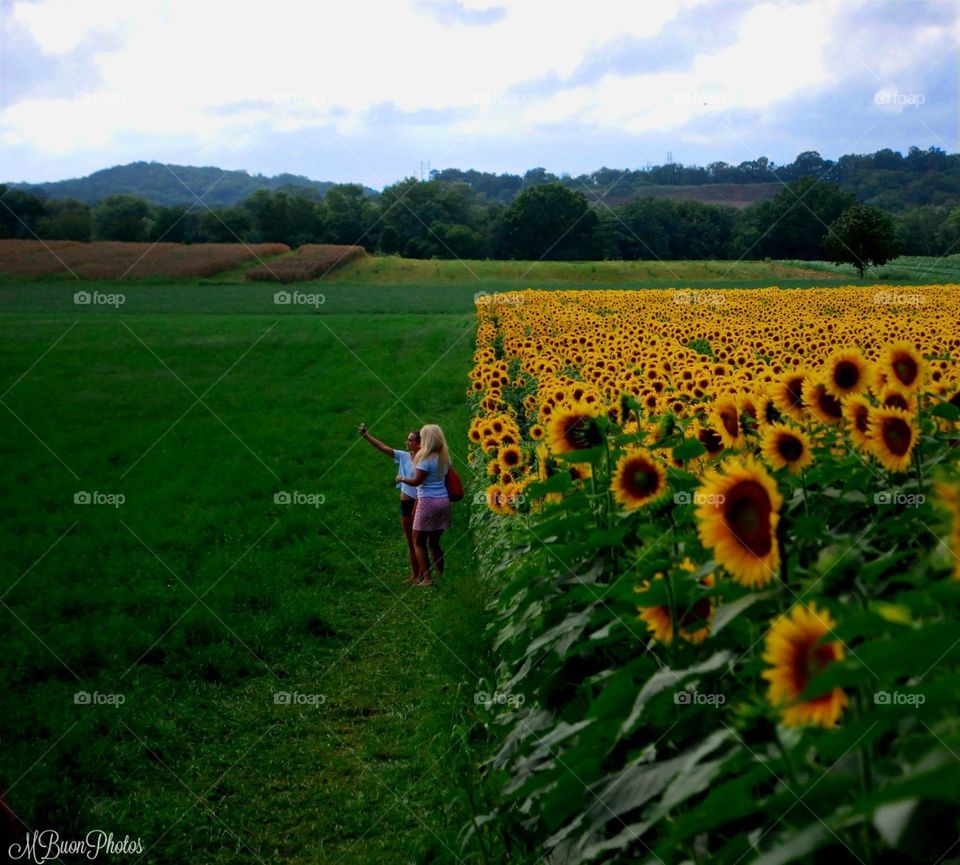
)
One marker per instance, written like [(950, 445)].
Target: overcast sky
[(365, 91)]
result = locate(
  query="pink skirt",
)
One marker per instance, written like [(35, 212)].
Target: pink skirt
[(432, 515)]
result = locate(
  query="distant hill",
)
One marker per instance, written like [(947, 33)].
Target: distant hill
[(160, 183)]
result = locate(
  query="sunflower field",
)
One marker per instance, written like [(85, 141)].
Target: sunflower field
[(726, 528)]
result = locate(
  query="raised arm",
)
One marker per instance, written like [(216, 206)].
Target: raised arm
[(379, 445)]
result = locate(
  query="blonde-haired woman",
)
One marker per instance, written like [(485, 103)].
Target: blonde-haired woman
[(432, 516)]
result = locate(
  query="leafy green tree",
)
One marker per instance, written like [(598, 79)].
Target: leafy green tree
[(922, 230), (20, 212), (411, 210), (66, 220), (949, 234), (862, 236), (348, 215), (461, 240), (227, 225), (268, 214), (793, 226), (175, 225), (121, 217), (549, 222)]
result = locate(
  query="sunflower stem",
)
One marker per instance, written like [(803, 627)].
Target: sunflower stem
[(674, 630), (916, 450), (866, 776), (803, 486), (787, 762)]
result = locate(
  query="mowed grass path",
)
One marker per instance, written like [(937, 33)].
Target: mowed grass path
[(200, 598)]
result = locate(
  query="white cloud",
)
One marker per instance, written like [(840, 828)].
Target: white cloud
[(214, 75)]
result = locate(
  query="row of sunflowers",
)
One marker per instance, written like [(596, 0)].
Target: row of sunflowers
[(731, 574)]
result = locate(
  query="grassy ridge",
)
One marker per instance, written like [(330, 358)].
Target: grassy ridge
[(199, 760)]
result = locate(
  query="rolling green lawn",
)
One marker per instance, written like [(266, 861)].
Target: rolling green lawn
[(199, 598)]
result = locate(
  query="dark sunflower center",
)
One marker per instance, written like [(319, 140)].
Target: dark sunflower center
[(829, 404), (747, 513), (583, 432), (710, 440), (896, 400), (789, 447), (730, 424), (897, 435), (813, 660), (846, 374), (860, 418), (697, 616), (795, 392), (905, 368), (641, 479)]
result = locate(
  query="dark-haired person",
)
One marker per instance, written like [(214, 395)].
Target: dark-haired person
[(408, 494)]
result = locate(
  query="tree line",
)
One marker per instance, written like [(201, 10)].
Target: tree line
[(444, 219)]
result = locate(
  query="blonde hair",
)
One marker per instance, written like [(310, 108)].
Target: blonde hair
[(433, 443)]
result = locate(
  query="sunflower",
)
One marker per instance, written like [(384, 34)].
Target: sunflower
[(574, 427), (856, 410), (510, 458), (694, 622), (737, 516), (537, 432), (726, 421), (893, 436), (785, 446), (639, 479), (892, 396), (823, 405), (901, 365), (846, 373), (795, 654), (787, 394)]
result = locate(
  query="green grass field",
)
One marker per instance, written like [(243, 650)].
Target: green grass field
[(199, 598)]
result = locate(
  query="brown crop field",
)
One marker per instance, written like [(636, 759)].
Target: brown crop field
[(117, 260), (312, 261)]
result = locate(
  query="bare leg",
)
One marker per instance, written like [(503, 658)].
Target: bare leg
[(408, 533), (420, 542), (437, 552)]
